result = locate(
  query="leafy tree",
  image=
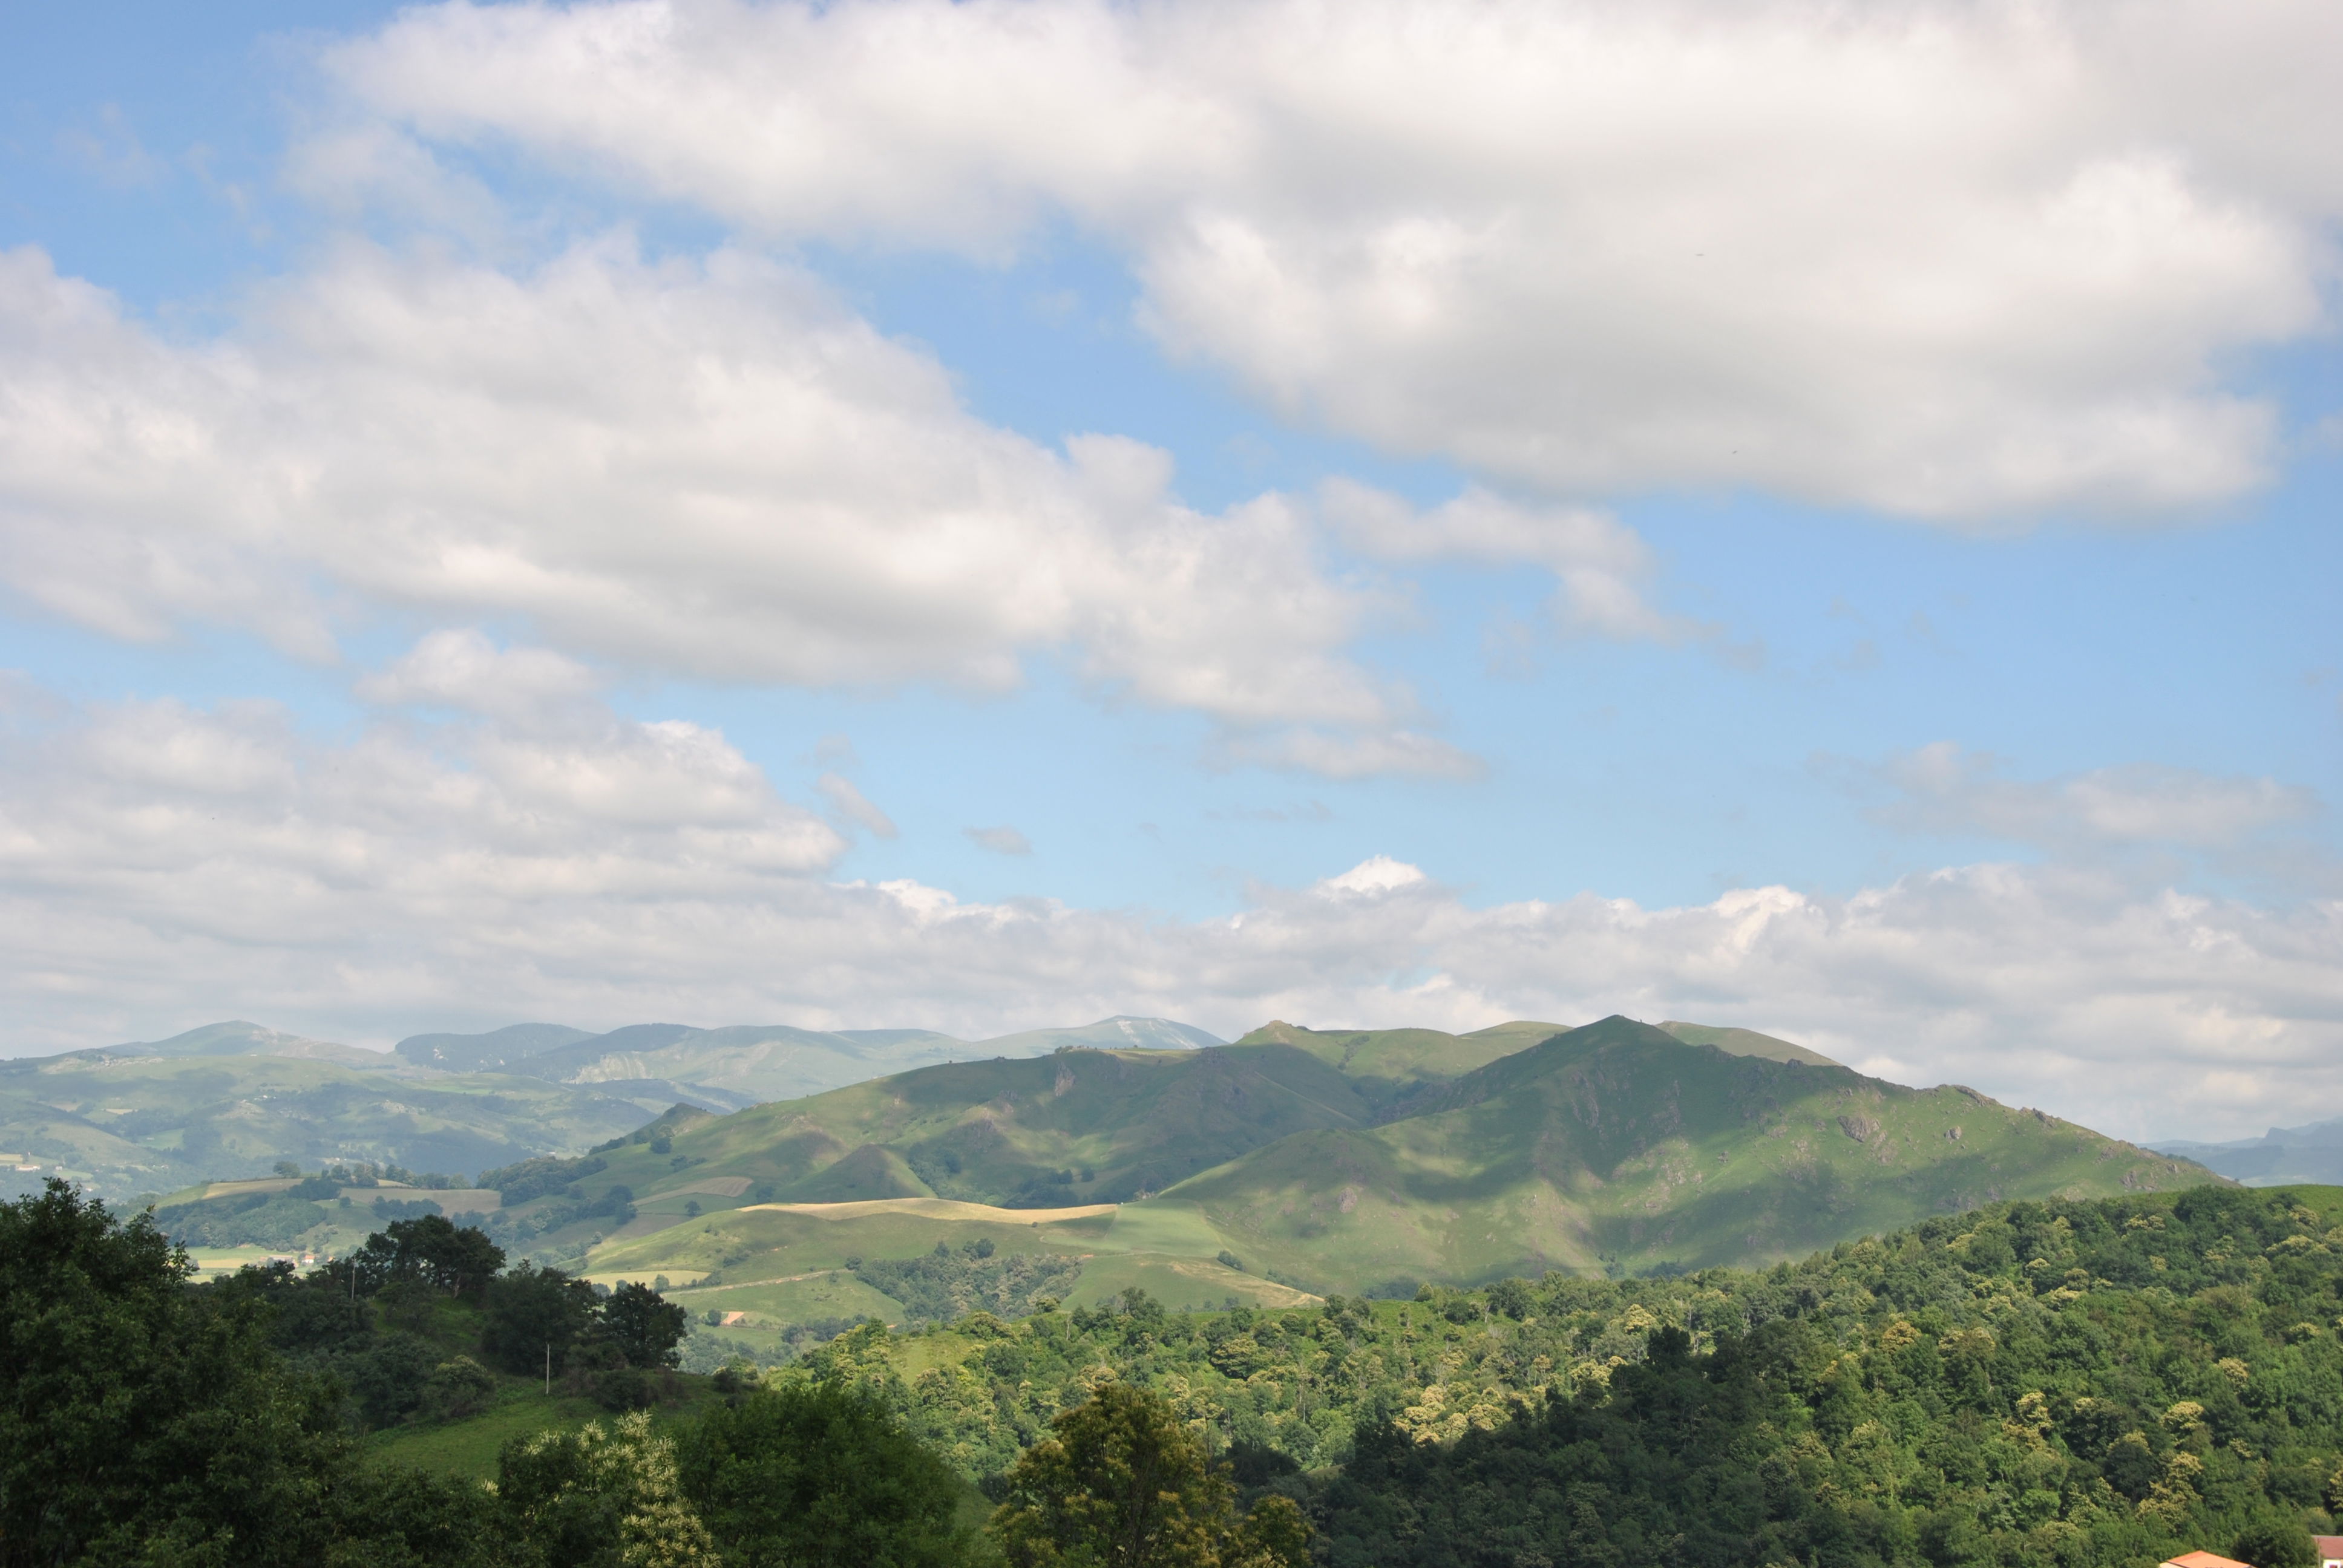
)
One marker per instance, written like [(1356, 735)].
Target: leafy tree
[(534, 1317), (644, 1325), (1122, 1483), (820, 1476), (2276, 1543), (602, 1498), (144, 1419), (430, 1249)]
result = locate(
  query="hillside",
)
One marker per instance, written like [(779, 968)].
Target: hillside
[(1074, 1126), (1619, 1148), (1349, 1162), (728, 1069)]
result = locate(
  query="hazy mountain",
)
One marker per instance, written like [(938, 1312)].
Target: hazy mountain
[(237, 1038), (728, 1069), (485, 1052), (2278, 1158), (138, 1119)]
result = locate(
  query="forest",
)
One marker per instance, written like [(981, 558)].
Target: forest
[(2109, 1381)]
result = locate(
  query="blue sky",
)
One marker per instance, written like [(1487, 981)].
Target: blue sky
[(1963, 565)]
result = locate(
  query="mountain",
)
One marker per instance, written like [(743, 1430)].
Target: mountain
[(237, 1038), (1619, 1147), (729, 1069), (1072, 1127), (139, 1121), (2282, 1157), (485, 1052), (1386, 1064), (1745, 1043), (1350, 1161)]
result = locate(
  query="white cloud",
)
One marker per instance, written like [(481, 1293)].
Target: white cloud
[(161, 865), (1403, 752), (855, 806), (1598, 563), (1945, 788), (462, 668), (704, 467), (1947, 260), (1001, 841), (1376, 874)]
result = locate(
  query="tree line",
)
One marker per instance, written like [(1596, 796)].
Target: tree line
[(2068, 1384), (150, 1420)]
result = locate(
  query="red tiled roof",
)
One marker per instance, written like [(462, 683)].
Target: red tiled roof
[(2203, 1559), (2330, 1547)]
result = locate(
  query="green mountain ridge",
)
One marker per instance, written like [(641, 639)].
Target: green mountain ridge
[(1620, 1148), (1370, 1160)]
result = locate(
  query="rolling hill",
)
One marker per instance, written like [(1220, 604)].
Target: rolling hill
[(1360, 1161), (1619, 1147)]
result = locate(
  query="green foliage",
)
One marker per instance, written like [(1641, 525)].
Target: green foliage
[(517, 1183), (148, 1420), (951, 1282), (534, 1317), (818, 1476), (643, 1326), (253, 1219), (1883, 1381), (1121, 1483), (602, 1498), (432, 1250)]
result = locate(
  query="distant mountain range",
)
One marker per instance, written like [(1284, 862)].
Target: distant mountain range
[(233, 1098), (2282, 1157), (659, 1064)]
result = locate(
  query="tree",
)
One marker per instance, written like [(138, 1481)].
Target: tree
[(430, 1248), (602, 1498), (2276, 1543), (645, 1326), (818, 1476), (1122, 1484), (142, 1417), (534, 1316)]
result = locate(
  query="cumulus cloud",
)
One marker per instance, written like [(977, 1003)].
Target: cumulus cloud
[(1598, 563), (1001, 840), (1945, 788), (707, 468), (1946, 260), (855, 806), (161, 864)]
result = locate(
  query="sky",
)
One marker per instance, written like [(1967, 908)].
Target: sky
[(992, 514)]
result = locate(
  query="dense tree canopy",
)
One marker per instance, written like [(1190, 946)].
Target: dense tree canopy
[(814, 1476)]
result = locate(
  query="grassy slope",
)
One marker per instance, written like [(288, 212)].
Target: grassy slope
[(1617, 1146), (1385, 1064), (1745, 1043), (997, 1132), (787, 1263)]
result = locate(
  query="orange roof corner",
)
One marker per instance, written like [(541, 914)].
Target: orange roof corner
[(2330, 1547), (2203, 1559)]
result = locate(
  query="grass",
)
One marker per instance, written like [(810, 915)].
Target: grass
[(469, 1447)]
